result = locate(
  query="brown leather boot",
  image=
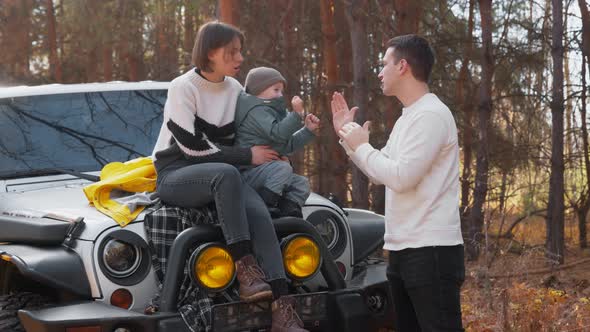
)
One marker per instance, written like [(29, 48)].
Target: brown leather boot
[(251, 279), (284, 316)]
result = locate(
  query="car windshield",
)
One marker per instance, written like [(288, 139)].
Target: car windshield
[(77, 131)]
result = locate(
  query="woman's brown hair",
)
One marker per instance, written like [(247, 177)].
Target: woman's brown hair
[(211, 36)]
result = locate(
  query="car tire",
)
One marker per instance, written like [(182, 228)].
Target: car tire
[(10, 304)]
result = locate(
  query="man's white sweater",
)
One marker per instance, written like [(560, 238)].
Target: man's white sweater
[(419, 167)]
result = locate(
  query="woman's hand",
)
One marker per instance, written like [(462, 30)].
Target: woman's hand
[(262, 154)]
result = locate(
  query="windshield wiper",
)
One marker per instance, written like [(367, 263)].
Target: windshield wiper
[(50, 171)]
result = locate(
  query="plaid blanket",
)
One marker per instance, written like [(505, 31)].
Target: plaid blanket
[(162, 226)]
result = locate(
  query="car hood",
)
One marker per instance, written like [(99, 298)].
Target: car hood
[(62, 195), (59, 195)]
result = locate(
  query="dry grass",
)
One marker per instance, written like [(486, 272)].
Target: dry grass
[(556, 300)]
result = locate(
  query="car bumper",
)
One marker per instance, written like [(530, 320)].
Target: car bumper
[(364, 306)]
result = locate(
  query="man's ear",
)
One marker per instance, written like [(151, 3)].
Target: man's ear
[(404, 66)]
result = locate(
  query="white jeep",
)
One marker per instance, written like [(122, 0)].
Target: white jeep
[(66, 267)]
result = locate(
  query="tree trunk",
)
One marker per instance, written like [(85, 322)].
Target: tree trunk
[(91, 65), (135, 61), (357, 20), (227, 11), (107, 41), (585, 30), (462, 102), (344, 57), (292, 62), (92, 47), (17, 40), (555, 213), (54, 63), (585, 151), (484, 114), (166, 50), (107, 62), (569, 107), (189, 33), (329, 44), (332, 177), (162, 43), (503, 185), (25, 38), (583, 236), (407, 16), (130, 42)]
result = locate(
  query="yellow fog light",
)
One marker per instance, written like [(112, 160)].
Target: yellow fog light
[(301, 256), (212, 266)]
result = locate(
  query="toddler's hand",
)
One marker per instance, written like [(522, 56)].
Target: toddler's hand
[(312, 123), (297, 104)]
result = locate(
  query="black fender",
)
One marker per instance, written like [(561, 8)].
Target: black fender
[(367, 229), (35, 231), (54, 266)]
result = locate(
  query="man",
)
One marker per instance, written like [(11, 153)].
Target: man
[(419, 167)]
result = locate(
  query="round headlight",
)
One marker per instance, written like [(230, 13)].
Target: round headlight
[(301, 256), (213, 267), (328, 230), (331, 228), (121, 258)]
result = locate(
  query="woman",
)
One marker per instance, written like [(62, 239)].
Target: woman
[(195, 159)]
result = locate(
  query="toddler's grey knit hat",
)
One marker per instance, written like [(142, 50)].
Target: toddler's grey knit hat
[(260, 78)]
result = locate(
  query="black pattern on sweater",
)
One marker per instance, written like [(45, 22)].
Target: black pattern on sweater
[(223, 135), (194, 141), (199, 142), (213, 131)]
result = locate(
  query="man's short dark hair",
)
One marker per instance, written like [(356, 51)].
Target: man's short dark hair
[(211, 36), (416, 51)]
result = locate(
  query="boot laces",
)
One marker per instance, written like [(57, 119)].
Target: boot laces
[(292, 315), (254, 272)]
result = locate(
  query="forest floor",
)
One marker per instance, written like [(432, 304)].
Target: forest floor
[(512, 287)]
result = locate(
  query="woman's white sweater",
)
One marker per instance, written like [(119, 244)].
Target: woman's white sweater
[(199, 122)]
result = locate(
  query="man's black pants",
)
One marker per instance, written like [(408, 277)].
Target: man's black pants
[(425, 284)]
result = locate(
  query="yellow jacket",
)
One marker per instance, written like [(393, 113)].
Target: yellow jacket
[(137, 175)]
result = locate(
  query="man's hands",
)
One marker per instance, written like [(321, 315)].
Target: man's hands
[(354, 135), (312, 123), (343, 120), (262, 154), (341, 115)]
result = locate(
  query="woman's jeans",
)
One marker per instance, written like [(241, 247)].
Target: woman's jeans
[(242, 213), (426, 284)]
